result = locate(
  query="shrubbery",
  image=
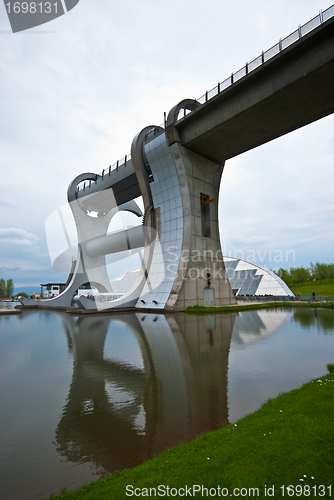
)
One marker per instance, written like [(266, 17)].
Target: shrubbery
[(315, 271)]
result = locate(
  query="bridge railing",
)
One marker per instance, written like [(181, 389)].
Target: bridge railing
[(105, 172), (264, 57), (228, 82)]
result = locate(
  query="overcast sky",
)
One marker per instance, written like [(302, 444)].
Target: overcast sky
[(75, 91)]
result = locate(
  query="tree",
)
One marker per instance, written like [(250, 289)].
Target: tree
[(313, 270), (331, 270), (2, 288), (6, 289), (9, 288), (324, 271), (284, 274), (302, 274), (299, 274)]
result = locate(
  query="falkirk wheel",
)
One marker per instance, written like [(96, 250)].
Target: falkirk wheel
[(182, 261), (177, 170)]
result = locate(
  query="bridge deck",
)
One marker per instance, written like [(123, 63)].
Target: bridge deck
[(122, 180), (291, 90), (284, 93)]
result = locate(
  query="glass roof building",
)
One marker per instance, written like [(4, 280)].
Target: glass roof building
[(246, 278)]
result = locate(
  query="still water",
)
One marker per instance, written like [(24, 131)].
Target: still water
[(8, 305), (85, 396)]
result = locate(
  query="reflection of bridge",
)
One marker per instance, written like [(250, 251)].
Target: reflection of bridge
[(118, 413), (177, 170), (167, 386)]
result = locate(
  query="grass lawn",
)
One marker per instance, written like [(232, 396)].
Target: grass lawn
[(306, 289), (289, 441)]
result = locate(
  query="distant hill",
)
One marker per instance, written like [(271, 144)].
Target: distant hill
[(29, 290)]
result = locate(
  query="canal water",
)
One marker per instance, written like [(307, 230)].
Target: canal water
[(86, 396), (8, 304)]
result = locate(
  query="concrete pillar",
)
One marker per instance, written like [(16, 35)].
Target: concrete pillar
[(199, 180)]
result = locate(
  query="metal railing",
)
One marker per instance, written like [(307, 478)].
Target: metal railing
[(228, 82), (263, 57), (105, 172)]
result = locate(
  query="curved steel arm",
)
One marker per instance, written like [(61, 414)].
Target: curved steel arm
[(172, 134), (72, 188)]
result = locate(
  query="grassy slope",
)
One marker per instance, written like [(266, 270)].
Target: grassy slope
[(289, 437), (307, 288)]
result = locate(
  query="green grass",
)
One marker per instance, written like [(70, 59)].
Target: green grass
[(307, 288), (257, 305), (288, 441)]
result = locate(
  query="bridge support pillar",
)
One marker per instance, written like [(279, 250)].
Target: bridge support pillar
[(187, 267), (203, 268)]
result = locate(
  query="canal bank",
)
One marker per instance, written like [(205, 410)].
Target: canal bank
[(286, 448), (4, 312)]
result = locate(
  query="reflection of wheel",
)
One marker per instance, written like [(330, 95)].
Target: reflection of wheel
[(149, 225)]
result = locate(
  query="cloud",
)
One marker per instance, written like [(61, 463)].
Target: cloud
[(17, 237), (20, 250)]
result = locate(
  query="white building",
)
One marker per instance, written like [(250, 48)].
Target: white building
[(246, 278)]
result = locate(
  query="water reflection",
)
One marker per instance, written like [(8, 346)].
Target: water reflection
[(322, 318), (253, 326), (167, 386), (8, 304), (117, 414), (111, 391), (92, 428)]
